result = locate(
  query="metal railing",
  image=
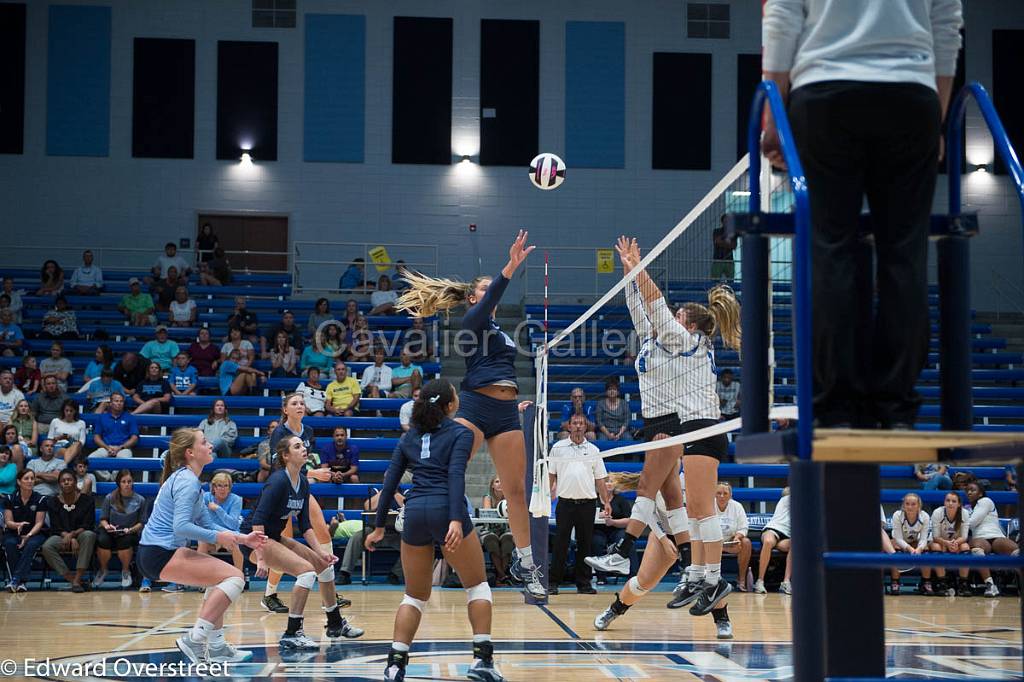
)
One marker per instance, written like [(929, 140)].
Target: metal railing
[(114, 258), (317, 267)]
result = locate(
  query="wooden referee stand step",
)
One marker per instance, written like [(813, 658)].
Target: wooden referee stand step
[(838, 618)]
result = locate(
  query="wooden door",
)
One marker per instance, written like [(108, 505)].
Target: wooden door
[(252, 242)]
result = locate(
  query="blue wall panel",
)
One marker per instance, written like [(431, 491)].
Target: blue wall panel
[(335, 103), (595, 94), (78, 81)]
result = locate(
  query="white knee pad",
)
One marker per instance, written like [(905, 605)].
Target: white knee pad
[(417, 604), (643, 510), (232, 587), (710, 529), (307, 580), (634, 587), (481, 591), (695, 530), (326, 575), (678, 522), (977, 551)]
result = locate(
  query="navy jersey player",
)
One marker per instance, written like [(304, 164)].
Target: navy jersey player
[(488, 396), (436, 449)]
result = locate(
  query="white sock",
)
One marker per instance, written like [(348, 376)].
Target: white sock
[(271, 588), (712, 573), (201, 630), (400, 646), (327, 548), (988, 581), (332, 607), (695, 573), (216, 639), (525, 556), (477, 639)]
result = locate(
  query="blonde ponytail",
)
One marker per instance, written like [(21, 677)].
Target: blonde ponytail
[(725, 310), (428, 295), (625, 480), (181, 440)]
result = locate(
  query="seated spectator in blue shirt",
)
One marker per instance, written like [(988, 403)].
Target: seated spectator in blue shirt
[(102, 358), (98, 391), (184, 377), (87, 279), (115, 434), (153, 393), (341, 457), (405, 378), (161, 350), (355, 276), (11, 336), (226, 512), (577, 404), (237, 378)]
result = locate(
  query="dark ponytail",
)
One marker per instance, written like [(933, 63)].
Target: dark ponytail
[(432, 408)]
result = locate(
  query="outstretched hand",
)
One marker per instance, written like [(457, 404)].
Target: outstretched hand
[(629, 252), (518, 252)]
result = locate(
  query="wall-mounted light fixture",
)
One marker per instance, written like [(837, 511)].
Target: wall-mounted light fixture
[(979, 168)]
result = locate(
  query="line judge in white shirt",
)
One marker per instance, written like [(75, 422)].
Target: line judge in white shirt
[(576, 484)]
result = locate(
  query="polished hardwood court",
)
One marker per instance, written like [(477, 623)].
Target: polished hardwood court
[(939, 636)]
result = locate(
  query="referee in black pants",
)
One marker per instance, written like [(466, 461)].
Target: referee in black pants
[(577, 484), (871, 81)]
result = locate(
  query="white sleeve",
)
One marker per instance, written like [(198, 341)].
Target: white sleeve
[(965, 524), (781, 26), (599, 469), (980, 511), (52, 431), (671, 334), (637, 311), (947, 18), (742, 526), (364, 380), (936, 520), (74, 277), (897, 530), (99, 277), (926, 532)]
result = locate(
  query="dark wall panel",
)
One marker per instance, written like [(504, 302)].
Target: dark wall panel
[(1008, 96), (595, 94), (748, 77), (681, 127), (247, 100), (164, 98), (510, 86), (421, 118), (12, 78)]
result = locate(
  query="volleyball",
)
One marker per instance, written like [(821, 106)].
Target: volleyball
[(503, 509), (547, 171)]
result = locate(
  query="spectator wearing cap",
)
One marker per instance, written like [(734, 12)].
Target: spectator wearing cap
[(137, 305), (87, 279), (99, 390), (161, 350)]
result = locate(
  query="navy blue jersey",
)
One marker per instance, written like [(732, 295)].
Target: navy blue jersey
[(438, 463), (279, 500), (490, 353)]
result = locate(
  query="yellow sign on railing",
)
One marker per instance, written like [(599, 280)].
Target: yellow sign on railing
[(379, 255), (605, 261)]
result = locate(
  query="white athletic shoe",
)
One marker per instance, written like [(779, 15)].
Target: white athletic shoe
[(609, 563), (227, 654), (99, 578), (297, 641), (991, 590), (193, 650), (533, 583), (759, 587), (724, 628), (785, 587), (126, 579), (604, 619)]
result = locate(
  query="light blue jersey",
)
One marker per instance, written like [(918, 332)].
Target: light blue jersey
[(179, 514)]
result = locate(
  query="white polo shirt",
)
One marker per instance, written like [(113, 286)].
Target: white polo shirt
[(575, 479)]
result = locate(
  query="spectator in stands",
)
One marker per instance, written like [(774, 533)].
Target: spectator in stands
[(235, 342), (361, 347), (28, 379), (103, 358), (60, 322), (354, 548), (342, 393), (24, 533), (11, 337), (265, 453), (226, 512), (137, 306), (183, 311), (405, 378), (419, 341), (728, 395), (57, 366), (351, 315), (496, 538), (399, 281), (72, 518), (405, 413), (217, 272), (376, 379), (245, 321), (221, 432), (577, 485), (115, 433), (722, 266), (236, 377), (170, 260), (184, 377), (98, 391), (341, 457), (9, 439), (160, 350), (8, 473), (25, 424), (67, 432), (611, 416), (87, 279), (204, 354), (321, 313), (354, 276), (933, 476), (122, 517), (776, 536), (206, 242), (961, 479), (15, 304), (313, 393), (291, 330), (733, 519), (614, 527), (577, 404), (987, 536), (51, 279), (153, 394), (911, 527), (950, 527), (132, 369), (332, 341), (163, 289), (47, 468), (314, 355), (85, 481), (9, 395), (384, 298), (284, 361)]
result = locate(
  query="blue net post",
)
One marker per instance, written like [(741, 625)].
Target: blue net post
[(538, 526), (754, 319)]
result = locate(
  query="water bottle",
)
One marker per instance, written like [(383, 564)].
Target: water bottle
[(750, 579)]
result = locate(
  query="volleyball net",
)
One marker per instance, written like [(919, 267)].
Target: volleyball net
[(581, 349)]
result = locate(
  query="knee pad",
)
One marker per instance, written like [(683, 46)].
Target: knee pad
[(231, 587), (643, 510), (678, 522), (417, 604), (326, 575), (481, 591), (634, 587), (695, 530), (977, 551), (307, 580), (710, 529)]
